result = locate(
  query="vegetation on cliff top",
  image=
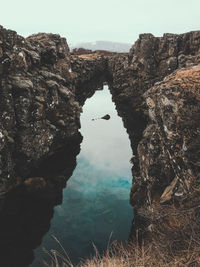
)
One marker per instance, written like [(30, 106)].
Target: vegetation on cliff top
[(133, 256)]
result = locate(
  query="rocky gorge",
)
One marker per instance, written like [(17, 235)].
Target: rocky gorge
[(156, 90)]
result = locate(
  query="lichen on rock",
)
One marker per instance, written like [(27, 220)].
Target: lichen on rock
[(156, 91), (36, 95)]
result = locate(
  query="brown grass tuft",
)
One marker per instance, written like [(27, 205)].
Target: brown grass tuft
[(173, 241)]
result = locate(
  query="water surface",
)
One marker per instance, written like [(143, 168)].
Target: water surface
[(95, 207)]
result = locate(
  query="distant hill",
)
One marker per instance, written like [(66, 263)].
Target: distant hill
[(104, 45)]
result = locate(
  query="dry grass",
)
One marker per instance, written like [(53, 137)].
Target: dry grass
[(89, 56), (174, 242), (187, 79), (132, 255)]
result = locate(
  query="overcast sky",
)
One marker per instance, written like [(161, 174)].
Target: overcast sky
[(91, 20)]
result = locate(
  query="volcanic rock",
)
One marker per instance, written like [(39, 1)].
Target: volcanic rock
[(156, 91)]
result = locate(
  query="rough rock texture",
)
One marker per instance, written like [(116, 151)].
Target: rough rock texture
[(89, 73), (149, 61), (169, 150), (162, 122), (168, 154), (39, 114), (40, 86), (43, 88)]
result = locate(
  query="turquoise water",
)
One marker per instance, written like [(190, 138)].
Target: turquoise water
[(95, 208)]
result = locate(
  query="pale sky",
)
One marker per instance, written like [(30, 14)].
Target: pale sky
[(91, 20)]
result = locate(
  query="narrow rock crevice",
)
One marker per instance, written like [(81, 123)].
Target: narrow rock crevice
[(156, 91)]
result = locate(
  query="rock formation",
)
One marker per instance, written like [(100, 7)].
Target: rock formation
[(156, 91), (89, 73), (39, 114), (169, 150), (162, 121)]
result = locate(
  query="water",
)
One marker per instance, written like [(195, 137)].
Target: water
[(95, 207)]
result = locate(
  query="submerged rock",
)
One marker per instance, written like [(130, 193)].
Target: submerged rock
[(106, 117)]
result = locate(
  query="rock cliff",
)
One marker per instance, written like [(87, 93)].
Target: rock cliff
[(39, 114), (162, 119), (149, 61), (43, 88)]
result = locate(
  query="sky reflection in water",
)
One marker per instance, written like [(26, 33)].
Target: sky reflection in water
[(96, 200), (106, 144)]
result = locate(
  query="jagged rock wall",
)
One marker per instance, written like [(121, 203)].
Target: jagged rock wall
[(168, 153), (162, 122), (39, 114), (169, 150), (149, 61), (89, 72), (43, 88), (159, 160)]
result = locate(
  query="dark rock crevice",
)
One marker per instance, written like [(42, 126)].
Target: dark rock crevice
[(24, 221)]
